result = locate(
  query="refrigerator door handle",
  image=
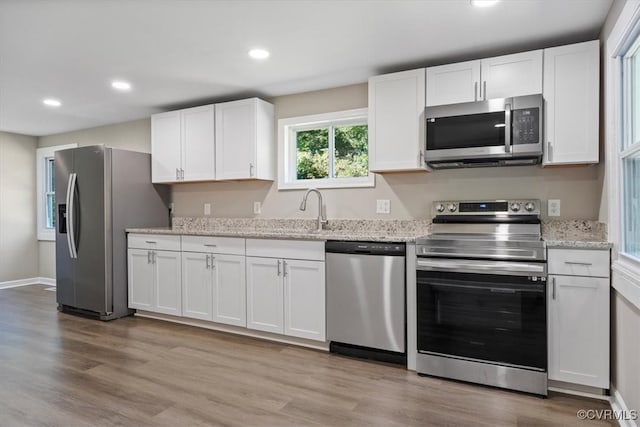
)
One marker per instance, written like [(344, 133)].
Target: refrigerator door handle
[(71, 237)]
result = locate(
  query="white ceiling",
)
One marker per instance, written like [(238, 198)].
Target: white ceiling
[(188, 52)]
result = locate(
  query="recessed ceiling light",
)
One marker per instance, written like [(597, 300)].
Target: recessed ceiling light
[(121, 85), (483, 3), (259, 53), (50, 102)]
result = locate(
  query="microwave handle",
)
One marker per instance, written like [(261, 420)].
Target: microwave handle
[(507, 128)]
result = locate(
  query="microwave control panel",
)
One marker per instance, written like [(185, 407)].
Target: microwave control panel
[(526, 126)]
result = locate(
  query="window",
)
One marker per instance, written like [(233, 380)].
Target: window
[(629, 152), (46, 187), (325, 151)]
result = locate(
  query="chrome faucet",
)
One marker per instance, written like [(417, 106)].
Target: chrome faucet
[(322, 219)]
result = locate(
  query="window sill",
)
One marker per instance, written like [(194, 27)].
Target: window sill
[(626, 280), (46, 235)]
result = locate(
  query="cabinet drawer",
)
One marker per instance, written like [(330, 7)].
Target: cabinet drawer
[(579, 262), (154, 241), (218, 245), (293, 249)]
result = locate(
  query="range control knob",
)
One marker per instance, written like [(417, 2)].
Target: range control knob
[(452, 207), (440, 207), (515, 207), (530, 207)]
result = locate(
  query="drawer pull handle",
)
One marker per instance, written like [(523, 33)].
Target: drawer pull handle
[(150, 241), (577, 263), (211, 246)]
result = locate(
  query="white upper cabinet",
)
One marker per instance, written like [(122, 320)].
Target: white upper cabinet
[(571, 94), (198, 147), (245, 147), (453, 83), (165, 146), (511, 75), (396, 121), (182, 145), (483, 79)]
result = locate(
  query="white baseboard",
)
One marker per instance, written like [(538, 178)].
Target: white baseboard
[(26, 282), (618, 405)]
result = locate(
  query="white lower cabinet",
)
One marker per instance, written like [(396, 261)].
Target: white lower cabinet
[(196, 286), (229, 290), (168, 282), (286, 295), (140, 279), (154, 281), (265, 287), (265, 295), (304, 299), (578, 318), (213, 284)]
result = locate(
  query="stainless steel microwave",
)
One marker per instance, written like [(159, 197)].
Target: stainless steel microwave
[(497, 132)]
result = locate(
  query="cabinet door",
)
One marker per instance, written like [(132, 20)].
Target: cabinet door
[(165, 146), (571, 94), (229, 289), (512, 75), (264, 295), (140, 279), (579, 330), (453, 83), (196, 285), (396, 121), (198, 144), (236, 139), (168, 282), (304, 299)]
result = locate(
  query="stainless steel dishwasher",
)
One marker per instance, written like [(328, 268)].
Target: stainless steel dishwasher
[(366, 299)]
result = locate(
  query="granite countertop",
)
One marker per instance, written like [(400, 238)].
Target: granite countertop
[(362, 230), (575, 234), (571, 234)]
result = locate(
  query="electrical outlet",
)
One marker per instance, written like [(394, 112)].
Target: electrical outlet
[(207, 208), (553, 207), (257, 207), (383, 206)]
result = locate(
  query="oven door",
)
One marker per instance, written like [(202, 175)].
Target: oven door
[(495, 318)]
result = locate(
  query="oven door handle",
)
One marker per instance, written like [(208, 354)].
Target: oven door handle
[(488, 288), (482, 267)]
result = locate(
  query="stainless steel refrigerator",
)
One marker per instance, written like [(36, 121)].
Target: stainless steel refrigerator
[(101, 191)]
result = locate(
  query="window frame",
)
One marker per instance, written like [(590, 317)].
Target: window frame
[(287, 150), (625, 269), (42, 155), (624, 146)]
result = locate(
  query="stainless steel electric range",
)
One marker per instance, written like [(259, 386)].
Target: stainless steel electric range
[(481, 295)]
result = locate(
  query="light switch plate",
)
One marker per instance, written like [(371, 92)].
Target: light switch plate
[(257, 207), (383, 206), (553, 207), (207, 208)]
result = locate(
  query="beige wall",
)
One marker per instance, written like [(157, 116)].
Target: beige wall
[(18, 248), (135, 135)]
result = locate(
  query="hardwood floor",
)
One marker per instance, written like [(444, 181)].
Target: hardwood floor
[(63, 370)]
